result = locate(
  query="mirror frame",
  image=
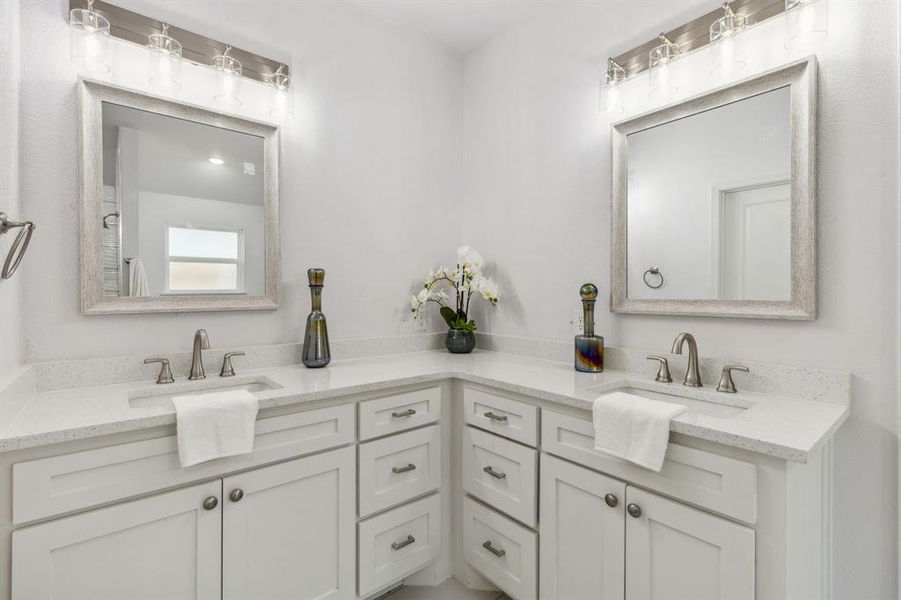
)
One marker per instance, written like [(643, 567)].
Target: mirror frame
[(91, 95), (800, 76)]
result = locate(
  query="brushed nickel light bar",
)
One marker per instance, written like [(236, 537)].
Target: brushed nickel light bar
[(696, 34), (136, 28)]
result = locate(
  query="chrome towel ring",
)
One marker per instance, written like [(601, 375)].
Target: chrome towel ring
[(654, 272), (19, 246)]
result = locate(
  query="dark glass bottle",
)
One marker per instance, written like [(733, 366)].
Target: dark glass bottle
[(316, 352), (589, 351)]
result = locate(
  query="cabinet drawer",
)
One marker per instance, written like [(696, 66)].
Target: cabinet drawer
[(398, 468), (399, 412), (398, 543), (501, 550), (725, 485), (501, 473), (510, 418), (51, 486)]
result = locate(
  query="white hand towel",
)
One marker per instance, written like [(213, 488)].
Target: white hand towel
[(137, 279), (633, 428), (214, 425)]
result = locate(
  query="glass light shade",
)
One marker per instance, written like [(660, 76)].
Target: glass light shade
[(662, 77), (228, 71), (615, 75), (808, 24), (165, 61), (89, 40), (726, 50), (282, 97)]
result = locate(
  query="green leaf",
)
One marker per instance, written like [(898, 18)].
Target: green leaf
[(450, 316)]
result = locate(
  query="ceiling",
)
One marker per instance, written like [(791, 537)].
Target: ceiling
[(461, 25)]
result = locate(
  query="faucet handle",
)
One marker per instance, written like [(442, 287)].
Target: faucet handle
[(227, 369), (165, 375), (663, 375), (726, 384)]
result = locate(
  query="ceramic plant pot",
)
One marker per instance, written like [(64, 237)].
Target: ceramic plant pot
[(459, 341)]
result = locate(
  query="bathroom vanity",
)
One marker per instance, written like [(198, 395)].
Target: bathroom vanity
[(480, 467)]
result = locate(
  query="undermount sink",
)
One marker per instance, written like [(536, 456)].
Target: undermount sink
[(710, 408), (161, 395)]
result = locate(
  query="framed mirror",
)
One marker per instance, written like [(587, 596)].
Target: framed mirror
[(179, 206), (714, 202)]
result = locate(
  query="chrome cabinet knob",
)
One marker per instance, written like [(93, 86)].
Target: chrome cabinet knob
[(210, 502), (611, 500), (236, 495), (634, 510)]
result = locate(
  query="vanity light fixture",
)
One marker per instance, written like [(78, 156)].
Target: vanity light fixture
[(283, 98), (228, 71), (661, 76), (615, 75), (726, 53), (165, 60), (216, 160), (89, 33), (808, 24)]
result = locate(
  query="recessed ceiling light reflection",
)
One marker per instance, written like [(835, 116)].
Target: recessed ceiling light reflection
[(216, 160)]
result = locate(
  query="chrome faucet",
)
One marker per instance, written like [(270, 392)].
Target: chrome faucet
[(692, 375), (201, 343)]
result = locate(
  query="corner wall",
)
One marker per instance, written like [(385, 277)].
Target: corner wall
[(537, 187)]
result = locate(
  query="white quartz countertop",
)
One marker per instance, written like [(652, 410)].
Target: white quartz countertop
[(783, 427)]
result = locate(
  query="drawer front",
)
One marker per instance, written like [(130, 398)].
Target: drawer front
[(399, 412), (505, 552), (501, 473), (501, 415), (398, 543), (60, 484), (725, 485), (398, 468)]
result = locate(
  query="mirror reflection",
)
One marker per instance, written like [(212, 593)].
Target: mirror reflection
[(183, 207), (709, 204)]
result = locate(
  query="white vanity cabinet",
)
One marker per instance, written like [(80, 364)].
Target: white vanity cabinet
[(285, 531), (163, 546), (602, 539)]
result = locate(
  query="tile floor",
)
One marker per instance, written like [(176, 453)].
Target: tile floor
[(449, 590)]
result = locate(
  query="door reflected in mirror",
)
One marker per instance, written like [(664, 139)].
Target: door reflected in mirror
[(709, 204), (183, 207)]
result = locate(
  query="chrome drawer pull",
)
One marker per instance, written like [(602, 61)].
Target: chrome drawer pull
[(398, 545), (495, 551), (493, 473), (409, 467), (404, 413), (496, 418)]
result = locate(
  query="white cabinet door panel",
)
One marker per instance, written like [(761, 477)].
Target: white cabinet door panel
[(582, 541), (164, 546), (291, 536), (674, 552)]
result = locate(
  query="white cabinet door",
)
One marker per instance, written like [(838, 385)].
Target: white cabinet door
[(288, 530), (674, 552), (164, 546), (582, 554)]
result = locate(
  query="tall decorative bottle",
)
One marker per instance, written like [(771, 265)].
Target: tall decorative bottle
[(589, 351), (316, 352)]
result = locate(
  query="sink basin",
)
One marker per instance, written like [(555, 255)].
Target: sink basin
[(697, 406), (161, 396)]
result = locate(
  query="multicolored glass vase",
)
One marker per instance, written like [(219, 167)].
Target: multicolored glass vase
[(589, 348)]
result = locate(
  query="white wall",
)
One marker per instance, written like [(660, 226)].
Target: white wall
[(370, 169), (10, 315), (537, 184)]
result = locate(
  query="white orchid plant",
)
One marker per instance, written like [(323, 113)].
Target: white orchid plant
[(465, 280)]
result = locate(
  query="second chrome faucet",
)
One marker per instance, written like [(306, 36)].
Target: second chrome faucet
[(201, 343), (692, 374)]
